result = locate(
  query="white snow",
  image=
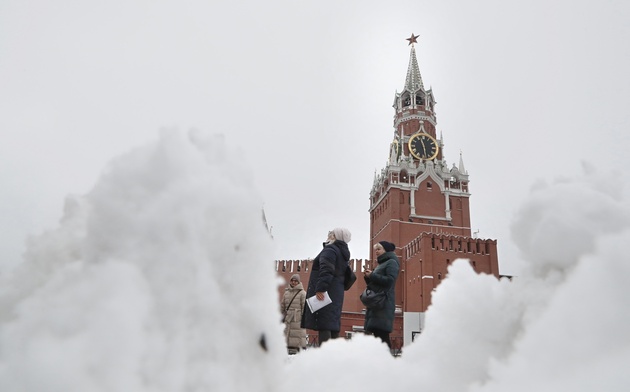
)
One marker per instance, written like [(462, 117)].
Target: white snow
[(161, 278)]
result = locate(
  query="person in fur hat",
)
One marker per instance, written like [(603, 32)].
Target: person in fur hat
[(327, 274), (379, 322), (292, 307)]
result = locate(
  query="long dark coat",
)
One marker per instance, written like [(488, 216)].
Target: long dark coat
[(327, 274), (383, 278)]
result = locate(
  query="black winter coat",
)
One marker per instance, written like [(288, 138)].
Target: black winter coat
[(383, 278), (327, 274)]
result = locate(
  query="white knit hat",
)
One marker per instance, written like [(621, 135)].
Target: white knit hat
[(342, 234)]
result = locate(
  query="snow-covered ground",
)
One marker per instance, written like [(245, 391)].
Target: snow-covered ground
[(161, 278)]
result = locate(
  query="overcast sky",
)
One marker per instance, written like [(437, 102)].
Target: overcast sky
[(526, 90)]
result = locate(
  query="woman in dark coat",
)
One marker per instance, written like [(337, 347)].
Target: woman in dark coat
[(327, 274), (380, 322)]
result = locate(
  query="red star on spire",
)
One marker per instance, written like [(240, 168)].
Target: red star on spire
[(413, 39)]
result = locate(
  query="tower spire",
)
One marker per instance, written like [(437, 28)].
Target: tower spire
[(462, 169), (413, 82)]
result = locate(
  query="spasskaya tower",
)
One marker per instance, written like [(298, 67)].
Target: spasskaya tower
[(422, 205)]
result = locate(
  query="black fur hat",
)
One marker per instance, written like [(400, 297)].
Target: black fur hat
[(388, 246)]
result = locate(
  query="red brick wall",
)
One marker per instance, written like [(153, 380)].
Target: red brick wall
[(424, 265)]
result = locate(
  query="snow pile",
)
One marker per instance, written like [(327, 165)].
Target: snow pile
[(159, 279), (561, 325)]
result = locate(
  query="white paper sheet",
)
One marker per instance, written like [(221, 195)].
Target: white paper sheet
[(314, 304)]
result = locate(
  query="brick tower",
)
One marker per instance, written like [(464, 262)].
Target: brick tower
[(419, 204), (422, 205)]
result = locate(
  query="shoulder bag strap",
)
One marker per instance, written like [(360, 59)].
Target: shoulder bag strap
[(289, 305)]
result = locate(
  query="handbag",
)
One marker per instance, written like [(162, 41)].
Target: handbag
[(373, 300), (349, 278)]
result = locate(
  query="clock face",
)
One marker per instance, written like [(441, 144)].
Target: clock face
[(423, 146)]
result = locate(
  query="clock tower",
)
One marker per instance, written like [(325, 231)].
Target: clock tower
[(422, 205)]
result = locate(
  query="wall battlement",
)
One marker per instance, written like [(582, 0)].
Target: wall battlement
[(449, 243), (301, 267)]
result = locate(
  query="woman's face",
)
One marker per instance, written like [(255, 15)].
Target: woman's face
[(331, 236), (378, 250), (293, 282)]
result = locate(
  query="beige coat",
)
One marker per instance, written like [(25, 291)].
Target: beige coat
[(295, 336)]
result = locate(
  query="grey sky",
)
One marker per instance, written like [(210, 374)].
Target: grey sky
[(526, 90)]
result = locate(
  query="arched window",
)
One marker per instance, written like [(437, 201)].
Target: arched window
[(419, 99), (406, 100)]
